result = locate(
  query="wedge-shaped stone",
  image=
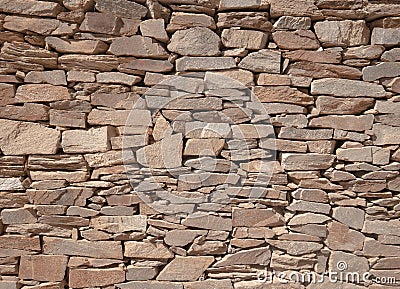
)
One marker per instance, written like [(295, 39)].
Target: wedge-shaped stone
[(256, 218), (147, 251), (249, 39), (88, 278), (68, 196), (386, 134), (352, 123), (119, 224), (342, 33), (347, 88), (185, 268), (184, 42), (304, 162), (50, 268), (122, 8), (187, 63), (88, 62), (259, 256), (365, 51), (382, 36), (117, 100), (90, 141), (209, 222), (284, 94), (77, 46), (20, 138), (69, 247), (41, 93), (138, 46), (299, 39), (383, 106), (155, 28), (18, 216), (262, 61), (30, 7), (296, 248), (340, 237), (11, 184), (334, 105), (43, 26), (308, 218), (382, 70)]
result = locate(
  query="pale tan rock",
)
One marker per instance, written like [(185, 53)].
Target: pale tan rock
[(262, 61), (67, 118), (11, 184), (54, 77), (88, 62), (340, 237), (30, 7), (256, 218), (299, 39), (363, 154), (77, 46), (347, 88), (184, 42), (147, 251), (122, 8), (305, 134), (249, 20), (43, 26), (296, 248), (117, 78), (342, 33), (140, 273), (138, 46), (365, 52), (106, 23), (385, 134), (308, 218), (238, 5), (27, 112), (78, 4), (324, 56), (293, 23), (181, 20), (323, 70), (208, 222), (381, 70), (187, 63), (147, 65), (182, 238), (85, 278), (209, 283), (352, 123), (391, 55), (119, 224), (69, 247), (381, 227), (295, 8), (282, 94), (197, 147), (92, 140), (7, 90), (249, 39), (50, 268), (185, 268), (354, 263), (154, 28), (117, 100), (18, 216), (333, 105), (68, 196), (259, 256), (150, 285), (27, 138), (352, 217), (373, 248), (81, 76), (389, 36), (41, 93)]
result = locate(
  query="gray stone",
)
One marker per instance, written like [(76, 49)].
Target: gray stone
[(122, 8), (352, 217), (204, 63), (293, 23), (388, 36), (382, 70), (249, 39), (137, 46), (262, 61)]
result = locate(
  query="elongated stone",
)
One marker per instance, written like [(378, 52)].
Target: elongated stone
[(77, 46), (352, 123), (185, 268), (248, 39), (187, 63), (299, 39), (309, 161), (30, 7), (88, 278), (41, 93), (49, 268), (382, 70), (262, 61), (122, 8), (138, 46)]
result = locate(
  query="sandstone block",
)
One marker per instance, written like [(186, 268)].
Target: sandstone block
[(30, 7), (352, 123), (137, 46), (82, 141), (299, 39), (334, 105), (77, 46), (363, 154), (340, 237), (147, 65), (256, 218), (204, 63), (209, 222), (293, 23), (106, 23), (310, 161), (122, 8), (117, 78), (41, 93), (43, 26), (305, 134), (262, 61), (282, 94), (88, 62), (181, 20), (49, 268), (352, 217), (67, 118), (197, 147), (18, 216), (68, 196), (249, 20), (147, 251), (185, 268), (382, 70), (249, 39), (385, 134), (154, 28), (119, 224), (260, 256), (87, 278), (54, 77), (388, 37), (149, 285)]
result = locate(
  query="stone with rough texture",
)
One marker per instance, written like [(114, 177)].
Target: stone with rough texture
[(352, 217), (18, 216), (41, 93), (249, 39), (40, 26), (117, 77), (299, 39), (249, 20), (307, 161), (324, 56), (149, 285), (181, 20), (78, 46), (54, 77), (50, 268), (258, 256), (381, 70), (389, 36), (81, 141), (30, 7), (197, 147), (282, 94), (262, 61), (154, 28), (293, 23), (256, 218), (333, 105), (204, 63), (20, 138), (91, 62), (342, 33), (185, 42), (352, 123), (107, 23), (185, 268), (137, 46), (86, 278), (340, 237), (147, 250), (208, 222), (385, 134), (122, 8)]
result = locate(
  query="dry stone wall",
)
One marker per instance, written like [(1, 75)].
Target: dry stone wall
[(89, 135)]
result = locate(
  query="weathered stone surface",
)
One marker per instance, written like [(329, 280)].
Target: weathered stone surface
[(184, 42), (282, 94), (262, 61), (20, 138), (249, 20), (293, 23), (334, 105), (147, 250), (208, 222), (249, 39), (340, 237), (352, 123), (154, 28), (139, 273), (50, 268), (117, 100), (352, 217), (365, 52), (138, 46), (117, 77), (389, 36), (11, 184), (149, 285), (147, 65), (296, 248), (347, 88), (181, 20), (91, 62), (323, 70), (69, 247), (256, 218), (122, 8), (77, 46), (30, 7), (209, 284), (325, 56), (235, 5), (68, 196), (204, 63), (185, 268), (41, 93), (119, 224), (355, 154), (107, 23), (342, 33), (67, 118), (305, 134), (294, 8), (385, 134), (391, 55), (382, 70), (27, 112), (381, 227), (299, 39), (305, 206), (39, 26), (259, 256), (18, 216), (197, 147), (92, 140), (86, 278), (54, 77)]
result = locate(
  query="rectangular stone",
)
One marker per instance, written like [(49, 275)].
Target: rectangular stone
[(305, 162), (88, 278), (335, 105), (92, 140), (149, 285), (204, 63), (122, 8), (119, 224), (256, 218), (69, 247), (305, 134), (248, 39), (88, 62), (350, 122), (41, 93), (108, 117), (355, 154), (386, 134), (147, 250), (69, 196), (65, 118), (30, 7), (388, 36), (49, 268)]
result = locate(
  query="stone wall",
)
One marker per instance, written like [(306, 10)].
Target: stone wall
[(78, 170)]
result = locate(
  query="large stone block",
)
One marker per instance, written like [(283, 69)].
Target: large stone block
[(49, 268), (82, 141)]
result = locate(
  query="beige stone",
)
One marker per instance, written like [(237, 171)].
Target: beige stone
[(299, 39), (182, 20), (382, 36), (54, 77), (92, 140), (352, 217), (323, 70), (282, 94), (296, 248), (27, 112), (333, 105), (41, 93), (185, 268), (68, 196), (147, 65), (138, 46), (119, 224), (342, 33), (381, 70), (49, 268), (154, 28), (354, 263), (256, 218), (305, 8), (118, 78), (305, 134), (352, 123), (385, 134), (262, 61), (88, 62), (208, 222), (147, 250), (204, 63), (27, 138), (259, 256), (293, 23), (324, 56), (247, 20), (85, 278), (122, 8), (77, 46), (184, 42), (150, 285), (43, 26), (106, 23), (249, 39), (340, 237), (197, 147), (18, 216), (30, 7)]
